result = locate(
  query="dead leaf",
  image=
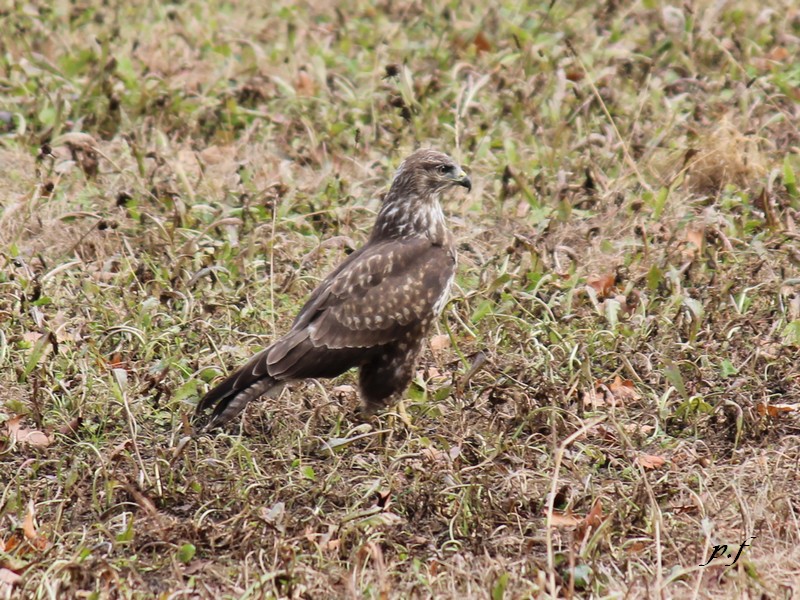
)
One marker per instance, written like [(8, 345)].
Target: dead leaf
[(115, 361), (606, 434), (623, 389), (434, 375), (650, 461), (595, 397), (214, 155), (310, 534), (636, 429), (35, 539), (685, 509), (75, 138), (595, 516), (778, 54), (592, 520), (303, 84), (439, 342), (603, 284), (9, 578), (433, 567), (575, 75), (636, 547), (566, 519), (141, 499), (13, 541), (764, 202), (694, 237), (344, 390), (614, 393), (119, 449), (71, 427), (455, 452), (31, 437), (435, 455), (482, 43), (773, 410)]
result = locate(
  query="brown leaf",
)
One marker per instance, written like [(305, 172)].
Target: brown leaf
[(596, 397), (592, 520), (482, 43), (566, 519), (650, 461), (8, 577), (12, 425), (778, 54), (685, 509), (764, 202), (71, 427), (595, 516), (119, 449), (695, 235), (575, 75), (12, 542), (303, 84), (623, 389), (773, 410), (636, 547), (636, 429), (31, 437), (310, 534), (603, 284), (439, 342), (115, 361), (606, 434), (435, 455), (141, 499), (435, 374), (35, 539)]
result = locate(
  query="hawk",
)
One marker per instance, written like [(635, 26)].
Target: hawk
[(374, 310)]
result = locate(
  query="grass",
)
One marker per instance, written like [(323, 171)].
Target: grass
[(612, 391)]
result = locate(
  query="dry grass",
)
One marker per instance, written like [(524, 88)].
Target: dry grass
[(616, 390)]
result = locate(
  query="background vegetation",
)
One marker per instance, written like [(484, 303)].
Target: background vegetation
[(612, 390)]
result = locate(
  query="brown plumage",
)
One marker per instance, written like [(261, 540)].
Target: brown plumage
[(374, 310)]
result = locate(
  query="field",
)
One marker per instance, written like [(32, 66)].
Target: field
[(611, 394)]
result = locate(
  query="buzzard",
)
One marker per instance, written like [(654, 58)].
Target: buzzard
[(374, 310)]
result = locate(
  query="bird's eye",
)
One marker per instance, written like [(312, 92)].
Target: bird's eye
[(443, 169)]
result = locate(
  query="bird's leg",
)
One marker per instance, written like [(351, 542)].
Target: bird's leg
[(402, 414), (383, 381)]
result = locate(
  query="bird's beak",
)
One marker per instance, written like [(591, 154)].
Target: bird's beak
[(463, 179)]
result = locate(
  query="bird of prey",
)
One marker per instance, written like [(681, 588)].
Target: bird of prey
[(374, 310)]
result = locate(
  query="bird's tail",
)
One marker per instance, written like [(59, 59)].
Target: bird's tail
[(231, 395)]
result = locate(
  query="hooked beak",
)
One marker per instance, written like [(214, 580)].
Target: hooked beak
[(462, 179)]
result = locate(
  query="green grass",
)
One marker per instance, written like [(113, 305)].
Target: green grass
[(176, 178)]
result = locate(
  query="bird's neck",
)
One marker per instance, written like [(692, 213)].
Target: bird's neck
[(420, 216)]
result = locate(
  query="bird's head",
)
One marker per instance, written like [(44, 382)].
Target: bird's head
[(411, 208), (427, 173)]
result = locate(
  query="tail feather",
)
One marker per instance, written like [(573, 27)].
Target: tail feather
[(231, 395)]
